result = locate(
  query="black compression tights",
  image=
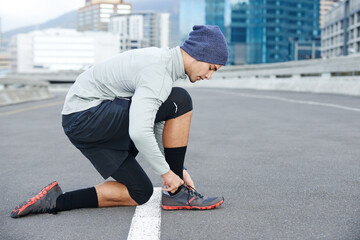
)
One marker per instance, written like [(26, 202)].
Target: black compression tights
[(130, 172)]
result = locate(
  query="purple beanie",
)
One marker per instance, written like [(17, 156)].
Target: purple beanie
[(206, 43)]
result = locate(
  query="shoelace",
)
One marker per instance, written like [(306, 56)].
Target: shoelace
[(192, 191)]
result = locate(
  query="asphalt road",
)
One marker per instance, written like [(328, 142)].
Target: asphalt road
[(288, 165)]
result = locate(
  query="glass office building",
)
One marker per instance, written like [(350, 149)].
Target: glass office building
[(200, 12), (238, 30), (218, 12), (191, 13), (277, 30)]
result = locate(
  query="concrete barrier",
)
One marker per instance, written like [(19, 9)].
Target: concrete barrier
[(345, 86), (17, 90), (337, 76)]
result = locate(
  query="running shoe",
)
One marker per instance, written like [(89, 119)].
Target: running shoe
[(189, 198), (44, 202)]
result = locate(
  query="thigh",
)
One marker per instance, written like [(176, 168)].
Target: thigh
[(101, 134), (105, 126)]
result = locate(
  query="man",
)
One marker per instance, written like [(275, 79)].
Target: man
[(127, 104)]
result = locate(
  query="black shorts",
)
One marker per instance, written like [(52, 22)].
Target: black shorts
[(101, 133)]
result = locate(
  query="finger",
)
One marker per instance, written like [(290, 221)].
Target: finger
[(170, 189), (167, 188)]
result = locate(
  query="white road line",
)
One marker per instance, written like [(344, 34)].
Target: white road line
[(291, 100), (146, 221)]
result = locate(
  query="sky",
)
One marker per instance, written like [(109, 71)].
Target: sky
[(22, 13)]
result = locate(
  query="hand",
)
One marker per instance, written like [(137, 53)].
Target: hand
[(187, 179), (171, 181)]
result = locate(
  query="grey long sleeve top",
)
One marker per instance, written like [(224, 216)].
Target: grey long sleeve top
[(147, 75)]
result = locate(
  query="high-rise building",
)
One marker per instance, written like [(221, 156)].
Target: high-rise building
[(209, 12), (280, 30), (95, 15), (341, 33), (0, 35), (325, 6), (60, 49), (191, 13), (218, 12), (260, 31), (141, 29), (238, 29)]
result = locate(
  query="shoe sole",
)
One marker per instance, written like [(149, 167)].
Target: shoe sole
[(192, 207), (15, 213)]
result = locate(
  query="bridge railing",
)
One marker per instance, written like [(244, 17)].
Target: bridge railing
[(336, 67), (339, 76), (16, 90)]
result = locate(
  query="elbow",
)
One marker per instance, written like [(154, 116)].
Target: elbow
[(135, 135)]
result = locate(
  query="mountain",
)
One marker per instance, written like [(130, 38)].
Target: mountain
[(67, 20)]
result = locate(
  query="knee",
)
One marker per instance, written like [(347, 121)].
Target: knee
[(146, 195), (182, 99), (142, 193)]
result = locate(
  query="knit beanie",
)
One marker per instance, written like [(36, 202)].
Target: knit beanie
[(206, 43)]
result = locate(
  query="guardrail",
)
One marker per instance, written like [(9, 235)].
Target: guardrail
[(338, 75), (15, 90), (340, 66)]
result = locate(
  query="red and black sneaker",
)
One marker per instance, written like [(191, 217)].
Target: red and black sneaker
[(189, 198), (44, 202)]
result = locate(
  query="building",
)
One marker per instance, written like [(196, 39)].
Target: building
[(259, 31), (60, 49), (0, 35), (274, 30), (238, 30), (95, 15), (5, 63), (141, 29), (325, 6), (218, 12), (191, 13), (341, 33), (210, 12)]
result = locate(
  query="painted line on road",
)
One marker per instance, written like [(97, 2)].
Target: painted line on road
[(146, 222), (290, 100), (30, 108)]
